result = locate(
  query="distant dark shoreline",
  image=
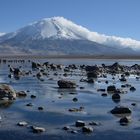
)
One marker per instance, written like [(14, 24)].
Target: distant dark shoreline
[(66, 57)]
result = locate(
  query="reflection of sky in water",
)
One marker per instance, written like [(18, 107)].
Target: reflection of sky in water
[(57, 102)]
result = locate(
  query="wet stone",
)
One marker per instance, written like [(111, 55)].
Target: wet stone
[(21, 94), (33, 96), (121, 110), (111, 88), (23, 123), (132, 88), (75, 99), (74, 131), (66, 84), (116, 96), (79, 123), (40, 108), (104, 94), (29, 104), (125, 120), (38, 129), (66, 128), (87, 129)]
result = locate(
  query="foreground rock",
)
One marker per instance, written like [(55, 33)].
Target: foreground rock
[(66, 84), (111, 89), (23, 123), (7, 91), (125, 120), (121, 110), (38, 129), (79, 123), (87, 129)]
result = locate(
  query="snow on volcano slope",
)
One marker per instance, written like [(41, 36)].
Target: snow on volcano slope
[(57, 33)]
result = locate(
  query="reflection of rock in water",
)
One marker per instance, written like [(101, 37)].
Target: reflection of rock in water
[(5, 104), (67, 91)]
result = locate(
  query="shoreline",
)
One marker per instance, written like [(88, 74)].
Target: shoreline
[(68, 57)]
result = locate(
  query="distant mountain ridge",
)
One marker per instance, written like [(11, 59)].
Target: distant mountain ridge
[(59, 36)]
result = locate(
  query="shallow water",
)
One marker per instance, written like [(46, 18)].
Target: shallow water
[(57, 102)]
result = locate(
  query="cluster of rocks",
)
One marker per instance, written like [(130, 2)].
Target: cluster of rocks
[(81, 126), (35, 129)]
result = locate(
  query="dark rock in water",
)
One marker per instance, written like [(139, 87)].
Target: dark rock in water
[(123, 79), (17, 71), (79, 123), (75, 99), (7, 91), (29, 104), (38, 129), (21, 94), (132, 88), (40, 108), (121, 110), (87, 129), (106, 82), (35, 65), (125, 121), (33, 96), (74, 131), (116, 96), (127, 74), (116, 67), (76, 109), (123, 86), (94, 123), (101, 90), (91, 81), (39, 75), (92, 68), (133, 104), (82, 87), (104, 94), (92, 74), (66, 128), (111, 88), (66, 84), (135, 67)]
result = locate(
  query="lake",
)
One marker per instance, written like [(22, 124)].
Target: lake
[(57, 102)]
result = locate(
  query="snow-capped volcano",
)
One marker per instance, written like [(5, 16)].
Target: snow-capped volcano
[(1, 34), (59, 35)]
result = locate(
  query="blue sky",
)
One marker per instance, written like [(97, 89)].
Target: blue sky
[(111, 17)]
